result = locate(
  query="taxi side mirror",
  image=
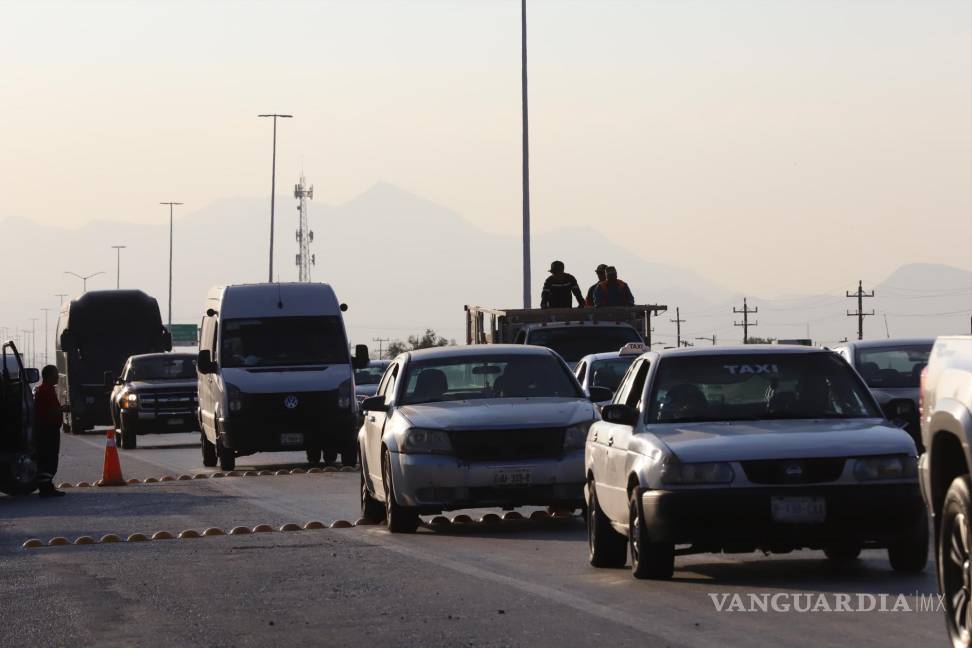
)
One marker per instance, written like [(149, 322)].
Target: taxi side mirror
[(374, 404), (620, 414)]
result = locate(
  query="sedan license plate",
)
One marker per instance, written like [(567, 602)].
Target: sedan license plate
[(291, 439), (512, 477), (174, 421), (798, 510)]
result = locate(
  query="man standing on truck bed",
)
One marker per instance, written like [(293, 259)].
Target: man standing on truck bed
[(600, 271), (558, 288), (612, 291)]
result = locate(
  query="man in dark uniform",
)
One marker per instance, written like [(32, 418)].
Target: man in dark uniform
[(612, 291), (558, 288), (601, 276), (47, 431)]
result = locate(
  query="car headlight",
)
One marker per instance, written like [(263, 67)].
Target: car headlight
[(344, 394), (885, 467), (719, 472), (422, 441), (576, 435), (129, 401), (234, 398)]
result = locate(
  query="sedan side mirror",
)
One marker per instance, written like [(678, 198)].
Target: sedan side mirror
[(620, 414), (599, 394), (204, 362), (361, 356), (374, 404)]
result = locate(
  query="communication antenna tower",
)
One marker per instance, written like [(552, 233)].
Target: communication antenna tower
[(304, 235)]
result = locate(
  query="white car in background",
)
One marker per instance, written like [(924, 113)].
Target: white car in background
[(607, 369), (736, 449), (469, 427)]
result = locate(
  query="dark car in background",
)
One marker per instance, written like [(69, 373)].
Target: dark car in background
[(892, 371), (157, 392)]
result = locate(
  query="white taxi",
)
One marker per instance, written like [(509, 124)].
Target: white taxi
[(607, 369)]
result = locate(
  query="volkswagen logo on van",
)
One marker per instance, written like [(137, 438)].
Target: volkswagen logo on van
[(291, 402)]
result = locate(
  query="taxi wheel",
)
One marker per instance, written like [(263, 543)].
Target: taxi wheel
[(954, 566), (400, 519), (655, 560), (371, 509), (911, 554), (605, 546), (209, 457)]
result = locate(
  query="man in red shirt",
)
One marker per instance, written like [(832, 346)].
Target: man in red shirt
[(47, 431)]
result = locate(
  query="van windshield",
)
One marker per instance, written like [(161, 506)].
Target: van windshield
[(575, 342), (283, 341)]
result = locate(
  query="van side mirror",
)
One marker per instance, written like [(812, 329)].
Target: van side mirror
[(33, 375), (361, 356), (599, 394), (166, 339), (620, 414), (68, 343), (204, 362), (374, 404)]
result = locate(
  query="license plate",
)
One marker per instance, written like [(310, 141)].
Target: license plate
[(512, 477), (174, 421), (798, 510), (291, 439)]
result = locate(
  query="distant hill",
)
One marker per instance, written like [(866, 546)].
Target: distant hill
[(403, 263)]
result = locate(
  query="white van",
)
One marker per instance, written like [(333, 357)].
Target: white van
[(275, 374)]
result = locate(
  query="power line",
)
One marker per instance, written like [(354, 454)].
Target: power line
[(860, 314), (745, 323), (380, 342)]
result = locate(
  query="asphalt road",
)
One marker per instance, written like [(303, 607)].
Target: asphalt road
[(509, 584)]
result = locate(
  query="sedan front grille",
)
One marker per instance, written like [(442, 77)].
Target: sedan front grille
[(507, 445), (794, 471)]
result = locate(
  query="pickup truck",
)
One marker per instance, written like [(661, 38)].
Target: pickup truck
[(572, 332), (944, 469)]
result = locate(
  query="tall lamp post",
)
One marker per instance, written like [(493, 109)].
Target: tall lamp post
[(84, 278), (118, 249), (47, 359), (171, 205), (273, 181), (527, 289)]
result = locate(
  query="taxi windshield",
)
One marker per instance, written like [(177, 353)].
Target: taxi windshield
[(741, 387)]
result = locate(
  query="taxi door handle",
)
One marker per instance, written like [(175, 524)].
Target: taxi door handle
[(371, 418), (594, 436), (611, 440)]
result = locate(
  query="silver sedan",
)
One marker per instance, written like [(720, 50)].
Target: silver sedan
[(471, 427)]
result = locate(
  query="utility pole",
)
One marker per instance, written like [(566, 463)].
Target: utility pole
[(273, 182), (708, 339), (380, 341), (678, 327), (746, 310), (171, 205), (526, 157), (47, 336), (860, 314), (118, 249), (33, 341)]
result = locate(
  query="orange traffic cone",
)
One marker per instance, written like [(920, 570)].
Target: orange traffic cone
[(112, 474)]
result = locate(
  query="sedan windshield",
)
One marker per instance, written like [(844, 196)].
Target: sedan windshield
[(573, 343), (283, 341), (488, 376), (757, 387), (163, 368), (898, 366)]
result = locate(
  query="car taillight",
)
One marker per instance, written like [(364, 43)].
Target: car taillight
[(921, 394)]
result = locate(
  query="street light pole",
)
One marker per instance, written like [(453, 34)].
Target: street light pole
[(84, 279), (47, 359), (171, 205), (526, 159), (62, 296), (273, 181), (118, 249), (33, 341)]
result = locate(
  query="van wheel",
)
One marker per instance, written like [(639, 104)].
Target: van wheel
[(954, 555), (210, 459), (329, 456), (129, 440), (313, 455), (227, 458), (400, 519), (605, 546), (654, 560)]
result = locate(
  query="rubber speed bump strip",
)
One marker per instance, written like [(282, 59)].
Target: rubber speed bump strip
[(290, 526), (240, 530), (341, 524), (213, 531), (314, 524), (218, 475), (109, 538), (188, 534), (162, 535)]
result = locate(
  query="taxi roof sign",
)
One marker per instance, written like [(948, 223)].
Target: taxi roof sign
[(633, 348)]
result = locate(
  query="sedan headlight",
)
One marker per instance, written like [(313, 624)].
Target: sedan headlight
[(698, 473), (885, 467), (234, 398), (422, 441), (576, 435), (129, 401)]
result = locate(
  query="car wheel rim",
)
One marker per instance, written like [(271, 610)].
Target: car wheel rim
[(389, 494), (633, 534), (958, 578), (591, 504)]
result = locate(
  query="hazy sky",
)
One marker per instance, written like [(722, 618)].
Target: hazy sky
[(774, 146)]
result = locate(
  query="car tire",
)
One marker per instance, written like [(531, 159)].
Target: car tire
[(227, 458), (313, 455), (910, 555), (128, 438), (329, 456), (842, 553), (371, 509), (655, 560), (605, 546), (21, 478), (400, 519), (954, 553), (209, 455)]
